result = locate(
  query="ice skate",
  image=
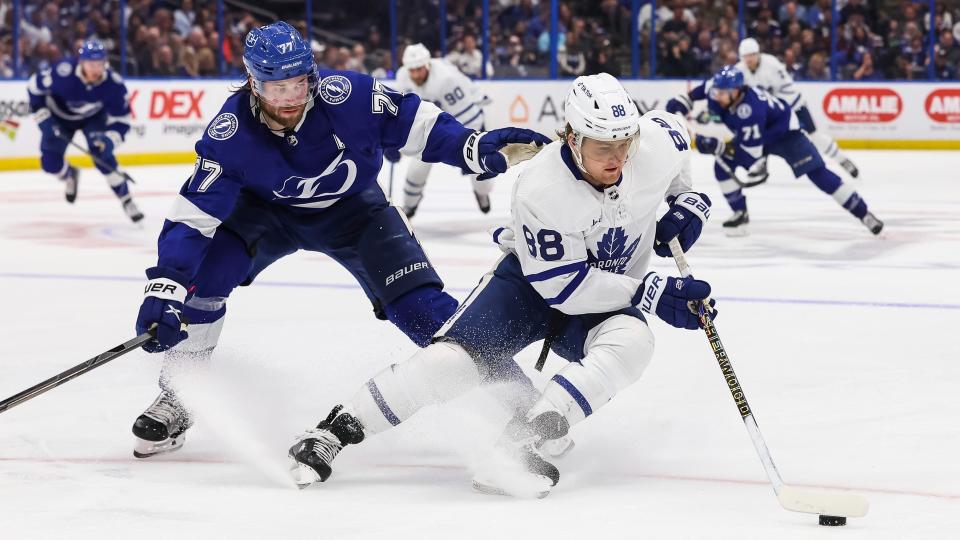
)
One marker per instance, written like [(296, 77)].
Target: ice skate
[(517, 467), (160, 429), (872, 223), (851, 169), (483, 202), (130, 208), (311, 455), (71, 180), (737, 224)]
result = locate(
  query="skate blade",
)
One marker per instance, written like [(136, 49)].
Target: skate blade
[(144, 449), (736, 232), (490, 489), (303, 475)]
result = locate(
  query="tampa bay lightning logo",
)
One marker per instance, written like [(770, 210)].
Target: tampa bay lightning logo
[(744, 111), (613, 254), (335, 89), (298, 187), (223, 126)]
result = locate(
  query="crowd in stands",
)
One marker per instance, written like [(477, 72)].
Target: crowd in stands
[(876, 39)]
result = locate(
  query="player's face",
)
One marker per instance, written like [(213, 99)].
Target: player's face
[(724, 98), (604, 160), (284, 101), (93, 70), (419, 75), (751, 60)]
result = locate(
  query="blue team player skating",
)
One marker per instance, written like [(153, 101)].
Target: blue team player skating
[(764, 125), (289, 163), (83, 95)]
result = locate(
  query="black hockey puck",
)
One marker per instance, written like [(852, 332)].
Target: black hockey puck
[(833, 521)]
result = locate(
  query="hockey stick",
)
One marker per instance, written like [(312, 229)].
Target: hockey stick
[(77, 370), (390, 185), (733, 174), (796, 499), (95, 159)]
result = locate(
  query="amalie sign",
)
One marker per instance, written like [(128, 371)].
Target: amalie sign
[(874, 105), (943, 105)]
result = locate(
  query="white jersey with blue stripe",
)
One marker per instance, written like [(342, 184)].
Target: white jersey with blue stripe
[(449, 89), (772, 76), (586, 250)]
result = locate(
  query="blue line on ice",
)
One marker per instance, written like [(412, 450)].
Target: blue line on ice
[(309, 285)]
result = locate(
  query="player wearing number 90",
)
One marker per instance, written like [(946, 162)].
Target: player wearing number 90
[(585, 220), (290, 163)]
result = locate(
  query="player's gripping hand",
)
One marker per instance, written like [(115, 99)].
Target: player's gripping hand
[(669, 298), (684, 221), (105, 142), (49, 127), (715, 146), (391, 154), (482, 149), (162, 306)]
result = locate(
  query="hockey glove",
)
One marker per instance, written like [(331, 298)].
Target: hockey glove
[(684, 220), (679, 105), (49, 127), (162, 306), (669, 298), (482, 152), (391, 154), (105, 142)]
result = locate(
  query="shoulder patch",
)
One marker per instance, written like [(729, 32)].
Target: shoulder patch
[(744, 111), (64, 69), (335, 89), (223, 126)]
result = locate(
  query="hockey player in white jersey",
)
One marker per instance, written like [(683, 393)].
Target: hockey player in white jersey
[(436, 80), (585, 221), (762, 70)]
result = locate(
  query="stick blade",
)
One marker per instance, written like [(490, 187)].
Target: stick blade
[(520, 152), (823, 501)]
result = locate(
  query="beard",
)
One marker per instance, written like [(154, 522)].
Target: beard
[(272, 112)]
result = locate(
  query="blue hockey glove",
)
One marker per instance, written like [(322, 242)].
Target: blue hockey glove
[(684, 220), (105, 142), (482, 150), (49, 127), (715, 146), (163, 306), (391, 154), (669, 298), (679, 105)]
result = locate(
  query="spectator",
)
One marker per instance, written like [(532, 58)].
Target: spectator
[(816, 69), (570, 60), (468, 58), (866, 70), (948, 48), (943, 69), (184, 17), (678, 60)]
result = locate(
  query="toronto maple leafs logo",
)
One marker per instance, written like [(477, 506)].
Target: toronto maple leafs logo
[(613, 254)]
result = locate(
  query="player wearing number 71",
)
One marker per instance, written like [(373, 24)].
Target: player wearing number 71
[(584, 219)]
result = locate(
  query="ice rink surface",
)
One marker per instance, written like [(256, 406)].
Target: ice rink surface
[(845, 344)]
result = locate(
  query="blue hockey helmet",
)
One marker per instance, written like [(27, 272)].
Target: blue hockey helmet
[(92, 49), (728, 78), (277, 52)]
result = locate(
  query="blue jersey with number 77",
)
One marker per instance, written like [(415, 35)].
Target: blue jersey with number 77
[(335, 152)]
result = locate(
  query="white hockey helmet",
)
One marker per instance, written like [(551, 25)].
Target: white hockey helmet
[(415, 56), (597, 107), (749, 46)]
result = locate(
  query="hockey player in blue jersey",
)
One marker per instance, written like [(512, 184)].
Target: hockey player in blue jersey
[(86, 95), (291, 162), (764, 125)]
